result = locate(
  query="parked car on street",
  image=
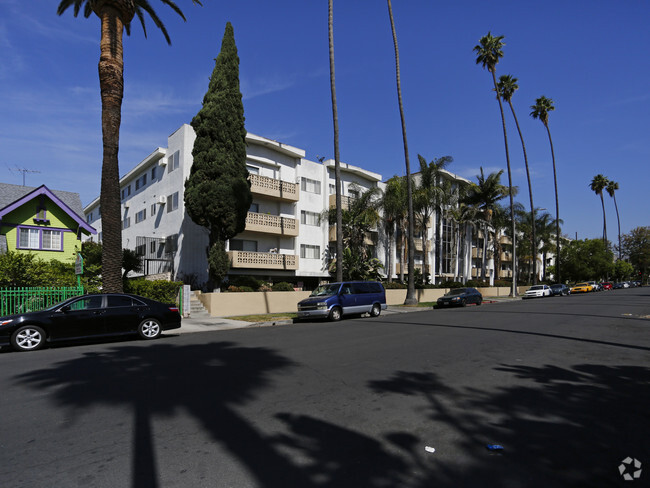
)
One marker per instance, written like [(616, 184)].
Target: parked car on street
[(606, 285), (560, 289), (620, 285), (595, 286), (89, 316), (581, 288), (537, 291), (334, 300), (460, 297)]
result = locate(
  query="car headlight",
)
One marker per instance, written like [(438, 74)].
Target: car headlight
[(321, 305), (5, 322), (456, 298)]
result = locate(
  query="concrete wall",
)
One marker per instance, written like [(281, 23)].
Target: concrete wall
[(229, 304)]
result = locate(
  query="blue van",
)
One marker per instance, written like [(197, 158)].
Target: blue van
[(334, 300)]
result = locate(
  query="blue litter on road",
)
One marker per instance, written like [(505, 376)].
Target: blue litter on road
[(494, 447)]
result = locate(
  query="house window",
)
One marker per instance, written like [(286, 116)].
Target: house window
[(126, 223), (89, 219), (309, 218), (141, 215), (253, 170), (255, 208), (153, 173), (153, 209), (173, 161), (140, 182), (332, 189), (172, 202), (309, 252), (126, 192), (52, 240), (243, 245), (310, 186), (41, 215), (42, 239), (29, 239)]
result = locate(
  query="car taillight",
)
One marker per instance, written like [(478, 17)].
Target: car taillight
[(173, 309)]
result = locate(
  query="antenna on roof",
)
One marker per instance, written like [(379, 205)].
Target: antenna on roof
[(23, 171)]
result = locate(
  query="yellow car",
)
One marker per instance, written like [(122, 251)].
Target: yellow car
[(581, 288)]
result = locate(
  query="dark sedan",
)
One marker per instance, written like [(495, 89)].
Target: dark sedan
[(88, 316), (560, 289), (460, 297)]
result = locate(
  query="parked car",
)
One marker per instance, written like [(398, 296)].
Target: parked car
[(620, 285), (89, 316), (581, 288), (595, 286), (334, 300), (460, 297), (536, 291), (606, 285), (560, 289)]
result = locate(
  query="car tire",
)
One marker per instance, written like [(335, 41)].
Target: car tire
[(478, 303), (375, 311), (463, 303), (149, 329), (335, 314), (28, 338)]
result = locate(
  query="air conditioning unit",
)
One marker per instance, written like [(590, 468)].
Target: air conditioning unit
[(162, 200), (127, 204)]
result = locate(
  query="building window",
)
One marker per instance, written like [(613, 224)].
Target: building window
[(173, 161), (140, 182), (255, 208), (153, 209), (252, 170), (172, 202), (141, 215), (42, 239), (153, 173), (310, 186), (89, 219), (309, 252), (126, 223), (243, 245), (309, 218), (332, 188), (126, 192)]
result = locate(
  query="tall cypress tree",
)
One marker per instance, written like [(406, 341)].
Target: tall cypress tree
[(217, 193)]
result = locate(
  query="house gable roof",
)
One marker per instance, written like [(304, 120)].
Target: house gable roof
[(14, 196)]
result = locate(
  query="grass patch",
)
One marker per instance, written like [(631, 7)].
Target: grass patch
[(266, 317)]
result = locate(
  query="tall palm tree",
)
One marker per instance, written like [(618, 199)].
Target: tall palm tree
[(337, 162), (115, 17), (597, 185), (393, 203), (507, 87), (612, 187), (488, 53), (540, 111), (410, 293)]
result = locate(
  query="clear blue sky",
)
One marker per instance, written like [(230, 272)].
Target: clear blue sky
[(590, 57)]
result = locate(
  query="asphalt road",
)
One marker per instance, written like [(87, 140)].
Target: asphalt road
[(403, 400)]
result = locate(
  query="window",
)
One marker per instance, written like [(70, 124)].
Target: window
[(41, 215), (89, 218), (354, 194), (252, 169), (126, 223), (126, 192), (242, 245), (141, 215), (332, 189), (172, 202), (140, 182), (87, 303), (255, 207), (310, 186), (309, 252), (43, 239), (172, 161), (153, 173), (309, 218), (153, 209)]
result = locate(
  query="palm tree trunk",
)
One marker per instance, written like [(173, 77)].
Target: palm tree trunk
[(557, 210), (410, 293), (111, 82), (602, 202), (512, 203), (620, 256), (530, 192), (337, 164)]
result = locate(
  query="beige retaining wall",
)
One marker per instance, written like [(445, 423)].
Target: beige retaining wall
[(229, 304)]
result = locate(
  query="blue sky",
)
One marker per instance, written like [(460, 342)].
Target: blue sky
[(590, 57)]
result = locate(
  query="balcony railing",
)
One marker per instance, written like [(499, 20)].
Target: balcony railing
[(370, 239), (271, 224), (345, 201), (406, 268), (270, 187), (263, 260)]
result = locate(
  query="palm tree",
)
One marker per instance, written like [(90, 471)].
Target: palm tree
[(393, 203), (115, 17), (540, 111), (464, 216), (507, 87), (410, 293), (488, 52), (597, 185), (337, 163), (612, 186), (484, 195)]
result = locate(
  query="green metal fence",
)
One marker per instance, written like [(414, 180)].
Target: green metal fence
[(19, 300)]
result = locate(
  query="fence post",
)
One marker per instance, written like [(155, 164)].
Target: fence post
[(185, 290)]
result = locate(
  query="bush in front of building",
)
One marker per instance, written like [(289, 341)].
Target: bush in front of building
[(394, 285), (161, 290), (282, 286)]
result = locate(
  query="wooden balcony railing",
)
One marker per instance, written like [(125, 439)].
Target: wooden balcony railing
[(270, 187), (271, 224), (263, 260)]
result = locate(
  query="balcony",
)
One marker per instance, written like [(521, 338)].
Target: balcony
[(417, 242), (271, 224), (345, 201), (506, 256), (406, 268), (505, 240), (370, 239), (270, 187), (263, 260)]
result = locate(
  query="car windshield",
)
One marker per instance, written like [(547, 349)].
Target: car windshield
[(556, 286), (582, 284), (456, 291), (537, 287), (326, 290)]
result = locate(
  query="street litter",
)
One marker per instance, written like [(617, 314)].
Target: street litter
[(430, 449), (494, 447)]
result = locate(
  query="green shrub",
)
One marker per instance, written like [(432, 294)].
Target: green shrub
[(282, 286), (239, 289), (161, 290), (477, 283), (451, 284), (394, 285), (247, 282)]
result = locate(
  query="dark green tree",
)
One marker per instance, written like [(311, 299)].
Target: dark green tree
[(217, 193), (587, 259), (636, 246)]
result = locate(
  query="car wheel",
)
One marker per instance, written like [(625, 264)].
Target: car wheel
[(479, 301), (149, 329), (28, 338), (463, 303), (375, 311), (335, 314)]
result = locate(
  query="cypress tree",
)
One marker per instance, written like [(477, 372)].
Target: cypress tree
[(217, 192)]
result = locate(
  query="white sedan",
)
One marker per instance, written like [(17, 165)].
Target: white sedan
[(538, 291)]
